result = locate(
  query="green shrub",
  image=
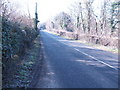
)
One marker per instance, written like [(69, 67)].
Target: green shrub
[(15, 39)]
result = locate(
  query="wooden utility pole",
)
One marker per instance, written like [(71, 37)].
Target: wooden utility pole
[(36, 17)]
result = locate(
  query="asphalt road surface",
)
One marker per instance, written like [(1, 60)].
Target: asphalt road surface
[(74, 65)]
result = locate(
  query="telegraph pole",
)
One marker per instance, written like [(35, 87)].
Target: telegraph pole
[(36, 17)]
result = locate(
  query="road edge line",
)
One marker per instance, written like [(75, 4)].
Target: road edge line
[(96, 59)]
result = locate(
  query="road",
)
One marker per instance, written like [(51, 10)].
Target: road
[(74, 65)]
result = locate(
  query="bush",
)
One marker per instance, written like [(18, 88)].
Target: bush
[(15, 40)]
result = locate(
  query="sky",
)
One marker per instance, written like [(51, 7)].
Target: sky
[(47, 8)]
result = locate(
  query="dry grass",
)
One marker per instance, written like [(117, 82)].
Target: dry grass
[(97, 46)]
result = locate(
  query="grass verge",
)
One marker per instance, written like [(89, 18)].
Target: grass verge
[(23, 75), (97, 46)]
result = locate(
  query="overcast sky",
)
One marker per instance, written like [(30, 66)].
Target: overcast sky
[(48, 8)]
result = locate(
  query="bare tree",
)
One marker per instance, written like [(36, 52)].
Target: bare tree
[(89, 14), (63, 21), (82, 19)]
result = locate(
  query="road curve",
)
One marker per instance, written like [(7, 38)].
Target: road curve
[(74, 65)]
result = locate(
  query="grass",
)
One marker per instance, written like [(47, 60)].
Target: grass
[(97, 46), (23, 76)]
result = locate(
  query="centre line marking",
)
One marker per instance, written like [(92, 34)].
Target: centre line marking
[(90, 56)]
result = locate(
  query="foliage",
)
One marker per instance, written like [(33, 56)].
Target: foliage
[(14, 40), (18, 33), (115, 15)]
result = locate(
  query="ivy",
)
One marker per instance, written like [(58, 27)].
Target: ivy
[(14, 41)]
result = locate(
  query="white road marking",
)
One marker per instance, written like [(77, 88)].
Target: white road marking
[(95, 59), (90, 56)]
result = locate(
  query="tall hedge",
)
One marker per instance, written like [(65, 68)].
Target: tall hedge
[(16, 38)]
